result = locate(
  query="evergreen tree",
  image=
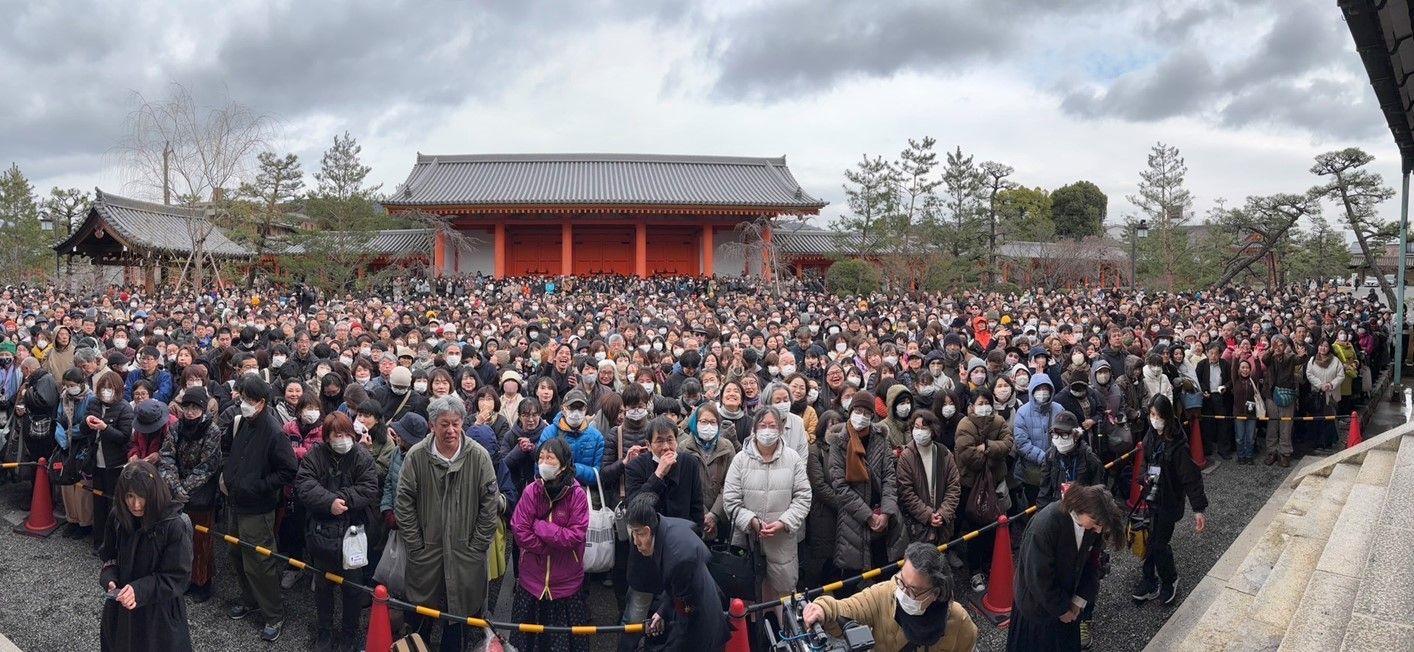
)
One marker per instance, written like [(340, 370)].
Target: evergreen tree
[(870, 195), (1359, 192), (26, 245), (994, 182), (1026, 214), (278, 180), (66, 207), (342, 173), (1166, 203), (1079, 210), (963, 201)]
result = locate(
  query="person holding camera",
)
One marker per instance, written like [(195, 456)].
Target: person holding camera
[(913, 612), (1169, 477)]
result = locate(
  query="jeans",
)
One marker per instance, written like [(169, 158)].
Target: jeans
[(636, 610), (1245, 431)]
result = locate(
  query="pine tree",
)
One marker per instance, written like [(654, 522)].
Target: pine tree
[(26, 247), (66, 207), (278, 180), (962, 200), (1167, 204), (341, 172), (870, 195), (1359, 192)]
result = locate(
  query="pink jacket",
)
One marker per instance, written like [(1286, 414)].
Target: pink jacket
[(551, 536), (303, 443)]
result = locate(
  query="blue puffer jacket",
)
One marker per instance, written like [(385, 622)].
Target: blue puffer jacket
[(486, 437), (1032, 428), (586, 446)]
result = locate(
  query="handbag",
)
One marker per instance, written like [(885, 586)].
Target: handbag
[(392, 566), (1284, 397), (1136, 532), (599, 541), (355, 548), (324, 539), (735, 569), (982, 504), (496, 556)]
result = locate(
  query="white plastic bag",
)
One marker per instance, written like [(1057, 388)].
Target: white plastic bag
[(392, 565), (599, 541), (355, 548)]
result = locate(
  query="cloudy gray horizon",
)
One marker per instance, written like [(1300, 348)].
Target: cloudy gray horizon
[(1061, 90)]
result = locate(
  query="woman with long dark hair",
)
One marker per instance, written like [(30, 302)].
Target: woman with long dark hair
[(1169, 476), (146, 556)]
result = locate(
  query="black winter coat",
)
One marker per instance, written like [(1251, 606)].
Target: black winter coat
[(1178, 476), (114, 439), (690, 603), (325, 475), (1080, 467), (259, 464), (1051, 570), (156, 561)]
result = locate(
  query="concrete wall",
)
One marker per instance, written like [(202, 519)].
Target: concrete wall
[(728, 260)]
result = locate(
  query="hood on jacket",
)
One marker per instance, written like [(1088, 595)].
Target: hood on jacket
[(1096, 366), (896, 393), (1038, 380)]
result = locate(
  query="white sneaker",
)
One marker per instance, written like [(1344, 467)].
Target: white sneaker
[(979, 583)]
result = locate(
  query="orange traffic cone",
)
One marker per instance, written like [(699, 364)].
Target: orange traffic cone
[(380, 631), (1136, 473), (1195, 446), (740, 640), (1355, 435), (999, 596), (40, 522)]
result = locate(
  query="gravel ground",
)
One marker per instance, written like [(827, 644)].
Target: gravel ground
[(51, 600)]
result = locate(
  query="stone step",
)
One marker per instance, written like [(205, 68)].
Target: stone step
[(1382, 614), (1378, 465)]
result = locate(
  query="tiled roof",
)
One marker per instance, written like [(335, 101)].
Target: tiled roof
[(158, 227), (805, 240), (609, 179), (1102, 250), (386, 242)]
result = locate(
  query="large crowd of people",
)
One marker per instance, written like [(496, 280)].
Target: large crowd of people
[(479, 426)]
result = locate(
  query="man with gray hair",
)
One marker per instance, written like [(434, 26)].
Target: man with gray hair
[(914, 611), (447, 506), (90, 361)]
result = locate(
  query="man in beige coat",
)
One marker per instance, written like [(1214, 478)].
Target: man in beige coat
[(447, 507)]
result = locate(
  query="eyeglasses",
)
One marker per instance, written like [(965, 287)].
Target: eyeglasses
[(916, 594)]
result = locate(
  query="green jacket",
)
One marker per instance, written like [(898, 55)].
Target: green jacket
[(447, 513)]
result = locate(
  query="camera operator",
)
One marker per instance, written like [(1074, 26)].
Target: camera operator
[(1169, 477), (914, 612)]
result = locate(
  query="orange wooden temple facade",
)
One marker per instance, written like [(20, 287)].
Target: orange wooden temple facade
[(586, 214)]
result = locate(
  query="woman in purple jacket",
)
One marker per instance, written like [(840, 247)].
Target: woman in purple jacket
[(550, 524)]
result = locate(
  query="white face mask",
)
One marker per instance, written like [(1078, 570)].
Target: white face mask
[(840, 347), (420, 386), (277, 361), (1157, 423), (1063, 444), (399, 390), (636, 414), (1042, 396), (310, 416), (341, 445), (922, 437), (248, 409), (120, 344), (647, 387), (860, 421), (359, 428), (348, 362), (1003, 394), (549, 471), (783, 406), (767, 436), (949, 410), (707, 431), (787, 370), (812, 396), (574, 417), (891, 360), (902, 410), (983, 410), (106, 395), (75, 391), (910, 606), (453, 360)]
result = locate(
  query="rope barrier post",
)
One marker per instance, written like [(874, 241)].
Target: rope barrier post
[(1355, 435), (40, 522), (380, 630), (740, 640), (997, 602)]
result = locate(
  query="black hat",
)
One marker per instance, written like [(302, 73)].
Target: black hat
[(149, 416), (194, 396), (411, 428)]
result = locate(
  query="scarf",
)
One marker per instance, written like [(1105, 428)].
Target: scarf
[(730, 414), (855, 470), (923, 631)]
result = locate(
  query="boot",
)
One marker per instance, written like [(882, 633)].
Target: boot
[(324, 641), (1271, 458), (1285, 461)]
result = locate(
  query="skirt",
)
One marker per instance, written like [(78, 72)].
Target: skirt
[(1025, 634), (565, 612)]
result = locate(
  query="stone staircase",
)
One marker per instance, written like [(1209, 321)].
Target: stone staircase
[(1329, 567)]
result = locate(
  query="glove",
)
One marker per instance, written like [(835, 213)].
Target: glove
[(389, 520)]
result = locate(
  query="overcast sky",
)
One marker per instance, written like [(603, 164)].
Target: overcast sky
[(1060, 89)]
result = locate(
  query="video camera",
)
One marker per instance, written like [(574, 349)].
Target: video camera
[(792, 636)]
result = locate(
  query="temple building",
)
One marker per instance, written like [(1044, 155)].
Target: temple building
[(576, 214)]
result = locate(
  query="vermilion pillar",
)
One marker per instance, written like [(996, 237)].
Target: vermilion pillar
[(499, 262), (766, 252), (708, 250), (566, 249), (439, 253), (640, 250)]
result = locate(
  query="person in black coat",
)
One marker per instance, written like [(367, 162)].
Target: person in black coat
[(676, 483), (1069, 462), (1058, 572), (1169, 476), (108, 427), (146, 554), (338, 485), (1215, 381), (687, 613)]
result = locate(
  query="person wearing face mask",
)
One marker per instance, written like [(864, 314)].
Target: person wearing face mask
[(1153, 382), (305, 433), (1170, 471), (337, 485), (1069, 462), (793, 432), (1057, 579), (929, 484), (586, 443), (550, 525), (108, 427), (189, 463), (399, 398), (984, 444), (703, 438), (767, 497), (74, 402), (899, 402), (915, 611), (1032, 426), (862, 471), (259, 464)]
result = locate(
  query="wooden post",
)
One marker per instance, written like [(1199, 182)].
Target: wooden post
[(499, 261), (439, 253), (640, 249), (766, 253), (566, 248), (709, 250)]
